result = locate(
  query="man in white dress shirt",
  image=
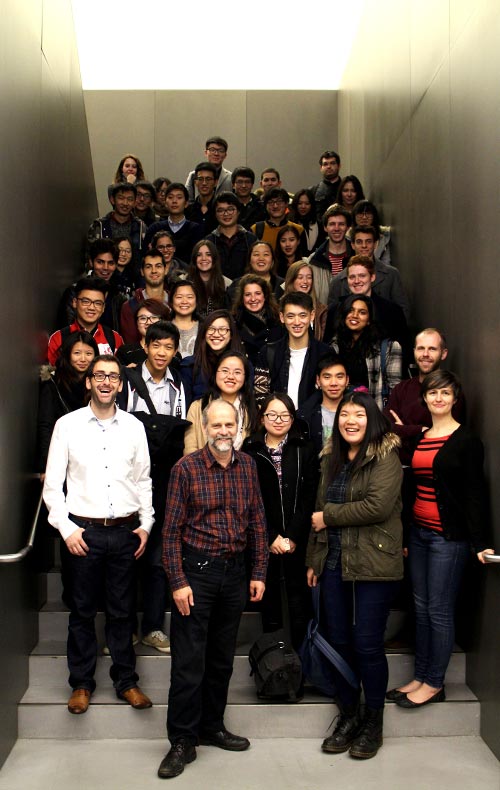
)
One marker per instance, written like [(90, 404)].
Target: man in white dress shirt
[(101, 454)]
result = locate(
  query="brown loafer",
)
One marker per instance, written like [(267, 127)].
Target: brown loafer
[(136, 698), (79, 701)]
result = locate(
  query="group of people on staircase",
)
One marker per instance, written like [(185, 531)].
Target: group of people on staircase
[(225, 398)]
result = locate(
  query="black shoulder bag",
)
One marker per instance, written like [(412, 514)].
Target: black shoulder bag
[(276, 667)]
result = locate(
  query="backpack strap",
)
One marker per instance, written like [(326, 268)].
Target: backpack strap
[(110, 337), (259, 229), (141, 389)]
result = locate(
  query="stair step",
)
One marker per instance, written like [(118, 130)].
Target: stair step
[(53, 624), (48, 666), (44, 715), (43, 712)]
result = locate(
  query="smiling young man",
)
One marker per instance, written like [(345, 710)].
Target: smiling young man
[(98, 493), (387, 282), (331, 256), (215, 511), (201, 209), (360, 277), (157, 382), (215, 152), (325, 193), (153, 270), (319, 410), (232, 241), (184, 232), (405, 407), (145, 197), (121, 221), (252, 210), (103, 260), (269, 179), (88, 304), (291, 362), (275, 202)]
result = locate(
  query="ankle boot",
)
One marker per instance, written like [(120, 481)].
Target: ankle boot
[(369, 738), (346, 729)]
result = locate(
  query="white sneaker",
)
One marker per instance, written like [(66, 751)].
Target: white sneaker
[(158, 640), (135, 641)]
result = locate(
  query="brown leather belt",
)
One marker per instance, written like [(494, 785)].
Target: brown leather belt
[(107, 522)]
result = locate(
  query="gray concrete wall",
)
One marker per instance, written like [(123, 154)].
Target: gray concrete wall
[(419, 118), (47, 196), (167, 130)]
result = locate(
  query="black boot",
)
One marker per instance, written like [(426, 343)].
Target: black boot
[(369, 738), (346, 729)]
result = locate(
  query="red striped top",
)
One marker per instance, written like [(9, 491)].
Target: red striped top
[(425, 509)]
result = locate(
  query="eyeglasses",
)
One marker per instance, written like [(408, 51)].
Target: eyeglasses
[(225, 372), (213, 150), (162, 192), (90, 302), (230, 210), (144, 196), (204, 179), (218, 330), (100, 376), (276, 202), (147, 319), (272, 416), (165, 247)]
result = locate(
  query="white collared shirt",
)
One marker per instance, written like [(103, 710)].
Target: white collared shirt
[(175, 226), (106, 468), (168, 397)]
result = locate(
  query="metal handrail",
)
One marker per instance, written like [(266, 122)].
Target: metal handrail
[(491, 557), (20, 555)]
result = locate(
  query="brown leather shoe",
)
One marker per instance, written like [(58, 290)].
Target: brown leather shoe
[(79, 701), (136, 698)]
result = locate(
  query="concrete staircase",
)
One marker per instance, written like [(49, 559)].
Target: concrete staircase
[(43, 712)]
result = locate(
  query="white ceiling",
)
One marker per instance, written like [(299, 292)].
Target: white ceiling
[(223, 46)]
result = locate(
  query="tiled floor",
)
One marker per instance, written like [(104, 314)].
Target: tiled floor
[(461, 763)]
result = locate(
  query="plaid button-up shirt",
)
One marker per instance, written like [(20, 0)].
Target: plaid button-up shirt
[(214, 510)]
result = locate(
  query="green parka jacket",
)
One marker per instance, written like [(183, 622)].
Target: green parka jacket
[(370, 519)]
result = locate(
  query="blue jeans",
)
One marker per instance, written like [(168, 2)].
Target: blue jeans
[(354, 615), (436, 568), (109, 565), (203, 645)]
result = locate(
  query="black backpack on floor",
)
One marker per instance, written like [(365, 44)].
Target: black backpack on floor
[(276, 667)]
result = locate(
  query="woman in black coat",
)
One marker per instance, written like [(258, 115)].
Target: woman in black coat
[(256, 314), (62, 389), (288, 473), (447, 519)]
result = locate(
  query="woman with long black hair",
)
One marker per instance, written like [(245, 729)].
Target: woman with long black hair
[(218, 333), (62, 387), (371, 362), (288, 474), (355, 551), (206, 275), (303, 211), (231, 381)]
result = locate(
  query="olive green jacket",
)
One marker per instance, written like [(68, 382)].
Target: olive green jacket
[(370, 518)]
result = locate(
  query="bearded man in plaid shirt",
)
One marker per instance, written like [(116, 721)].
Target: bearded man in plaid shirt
[(214, 510)]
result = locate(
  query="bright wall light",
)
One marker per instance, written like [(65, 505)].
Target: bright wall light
[(221, 46)]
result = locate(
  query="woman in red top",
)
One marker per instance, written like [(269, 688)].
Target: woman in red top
[(448, 516)]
